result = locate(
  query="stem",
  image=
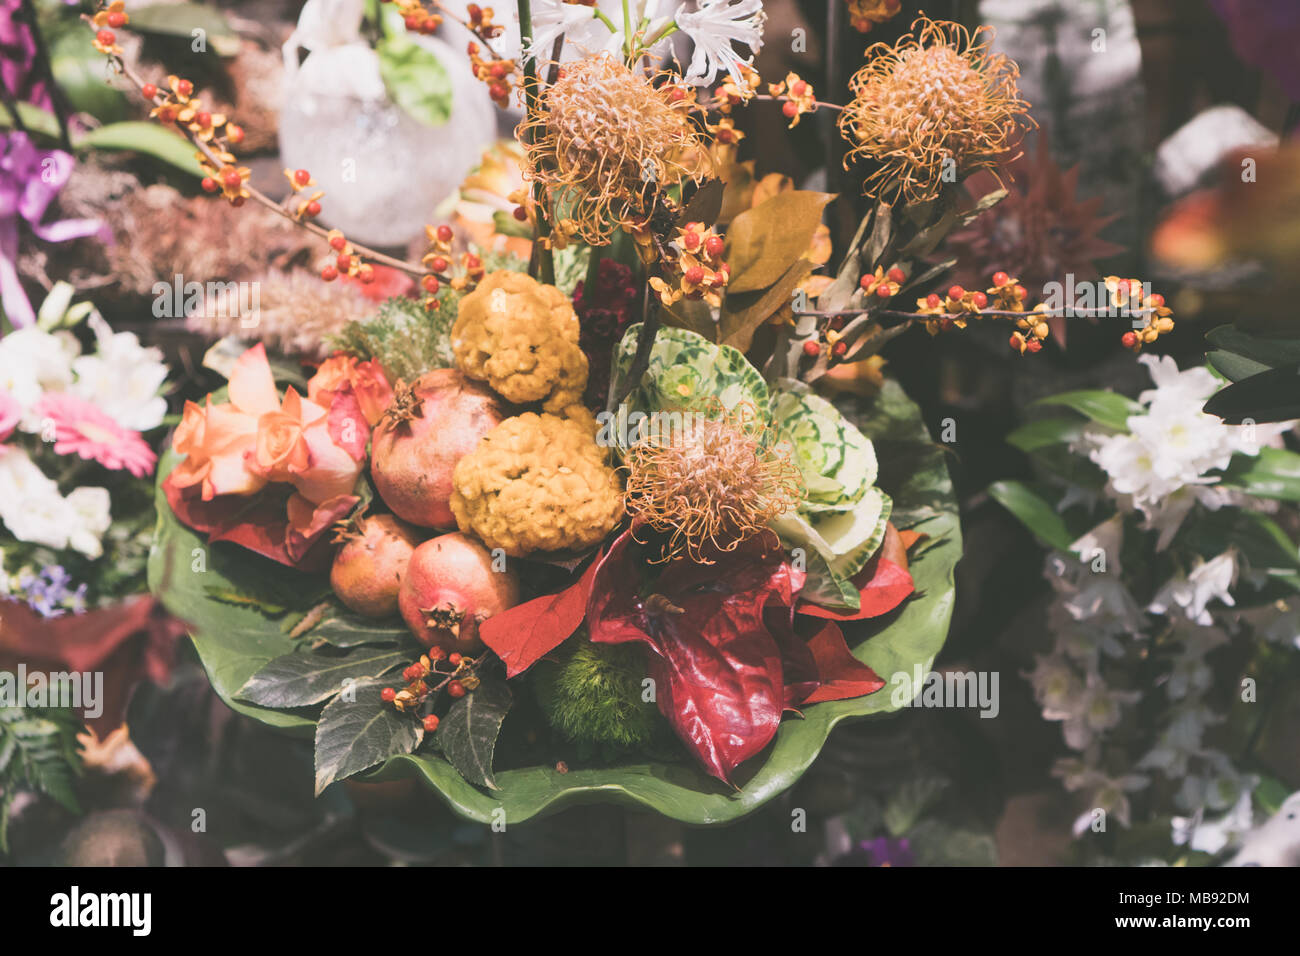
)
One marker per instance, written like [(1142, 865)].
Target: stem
[(627, 31), (542, 258), (593, 271)]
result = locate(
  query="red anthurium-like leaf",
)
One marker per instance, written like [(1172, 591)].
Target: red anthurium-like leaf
[(882, 586), (524, 634), (841, 675), (717, 668)]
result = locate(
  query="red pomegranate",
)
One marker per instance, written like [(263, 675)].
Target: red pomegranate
[(451, 585), (429, 426), (369, 568)]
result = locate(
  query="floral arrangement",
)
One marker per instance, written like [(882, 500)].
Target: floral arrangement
[(1175, 595), (588, 474)]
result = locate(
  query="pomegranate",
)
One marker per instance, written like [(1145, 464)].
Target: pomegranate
[(369, 568), (449, 588), (428, 427)]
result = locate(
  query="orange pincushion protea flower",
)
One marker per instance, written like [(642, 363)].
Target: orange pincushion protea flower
[(932, 108), (602, 135), (712, 483)]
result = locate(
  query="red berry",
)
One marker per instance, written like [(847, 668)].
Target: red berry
[(430, 284), (882, 290), (812, 348), (388, 695), (209, 184), (676, 94), (691, 240), (473, 262), (798, 88), (1034, 345), (412, 22), (329, 273), (313, 208), (301, 177), (412, 672), (714, 246), (1016, 341), (521, 213), (204, 120), (1021, 292), (1129, 339), (431, 723), (237, 201), (956, 292), (866, 282), (439, 264), (932, 301), (498, 91), (436, 653), (234, 133), (839, 349), (337, 243), (694, 275), (345, 263), (456, 689), (106, 37), (167, 114), (444, 233), (896, 275), (116, 19), (232, 178), (497, 69), (184, 87), (474, 12), (149, 91), (366, 273), (1157, 300), (1000, 279), (453, 659), (790, 109), (980, 300)]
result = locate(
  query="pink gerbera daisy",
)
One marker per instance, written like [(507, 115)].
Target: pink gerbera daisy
[(79, 427)]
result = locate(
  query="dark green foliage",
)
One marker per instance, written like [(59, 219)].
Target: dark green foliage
[(592, 696), (38, 753)]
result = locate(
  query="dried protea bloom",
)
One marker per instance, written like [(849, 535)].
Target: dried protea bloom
[(932, 108), (709, 480), (603, 133)]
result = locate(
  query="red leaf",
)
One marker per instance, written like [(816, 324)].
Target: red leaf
[(882, 586), (525, 633), (717, 668), (841, 674)]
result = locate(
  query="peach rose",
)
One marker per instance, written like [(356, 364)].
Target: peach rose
[(367, 380)]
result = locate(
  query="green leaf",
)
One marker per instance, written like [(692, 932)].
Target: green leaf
[(1045, 432), (355, 735), (1105, 408), (1034, 513), (1272, 396), (182, 20), (83, 74), (302, 679), (144, 138), (468, 734), (341, 628), (1273, 473), (911, 802), (1263, 353), (415, 79)]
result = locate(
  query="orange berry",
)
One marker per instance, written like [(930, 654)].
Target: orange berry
[(234, 133)]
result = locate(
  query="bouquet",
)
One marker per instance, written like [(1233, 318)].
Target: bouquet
[(618, 504)]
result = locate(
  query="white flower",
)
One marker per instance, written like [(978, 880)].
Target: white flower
[(575, 22), (1211, 836), (89, 508), (123, 378), (42, 519), (1209, 580), (1056, 687), (1099, 710), (21, 479), (714, 27), (33, 362), (1193, 386)]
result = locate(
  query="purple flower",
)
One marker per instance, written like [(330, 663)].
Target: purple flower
[(48, 593), (882, 851), (30, 178), (18, 56), (1266, 35)]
